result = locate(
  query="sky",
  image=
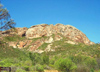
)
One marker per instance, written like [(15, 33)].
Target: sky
[(82, 14)]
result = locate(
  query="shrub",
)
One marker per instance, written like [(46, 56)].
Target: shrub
[(90, 62), (39, 68), (45, 59), (84, 63), (65, 65)]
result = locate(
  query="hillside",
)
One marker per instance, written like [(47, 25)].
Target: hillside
[(48, 47)]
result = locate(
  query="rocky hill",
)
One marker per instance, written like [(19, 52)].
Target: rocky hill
[(44, 36), (48, 48)]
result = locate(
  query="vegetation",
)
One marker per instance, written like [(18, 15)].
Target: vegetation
[(13, 38), (43, 46), (65, 65), (65, 58)]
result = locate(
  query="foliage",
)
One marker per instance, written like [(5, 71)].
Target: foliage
[(65, 65), (34, 58), (39, 68), (5, 21), (45, 58)]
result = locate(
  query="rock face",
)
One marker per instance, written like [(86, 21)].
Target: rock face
[(67, 31), (13, 44), (36, 44), (50, 40), (70, 42), (20, 44), (45, 36), (17, 31), (21, 31)]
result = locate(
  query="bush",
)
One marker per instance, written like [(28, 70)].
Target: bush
[(65, 65), (84, 63), (39, 68), (45, 59), (90, 62), (35, 58)]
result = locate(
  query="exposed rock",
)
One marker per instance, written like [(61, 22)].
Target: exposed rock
[(36, 31), (22, 31), (57, 46), (43, 25), (70, 42), (50, 40), (1, 38), (25, 43), (17, 31), (49, 48), (28, 42), (21, 44), (57, 37), (13, 44), (67, 31), (39, 51), (91, 43), (35, 45)]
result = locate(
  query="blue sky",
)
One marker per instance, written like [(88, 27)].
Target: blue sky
[(83, 14)]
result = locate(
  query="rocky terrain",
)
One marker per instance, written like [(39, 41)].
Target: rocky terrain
[(38, 35)]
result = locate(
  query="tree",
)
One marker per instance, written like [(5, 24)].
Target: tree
[(5, 21)]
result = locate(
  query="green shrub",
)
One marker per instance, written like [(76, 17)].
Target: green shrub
[(39, 68), (65, 65), (84, 63), (45, 59), (90, 62), (35, 58)]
